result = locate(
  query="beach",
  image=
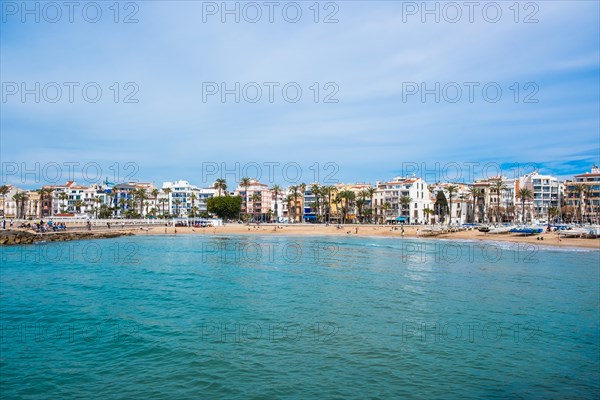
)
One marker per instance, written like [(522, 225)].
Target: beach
[(549, 238)]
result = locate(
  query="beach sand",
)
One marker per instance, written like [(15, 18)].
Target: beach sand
[(550, 239)]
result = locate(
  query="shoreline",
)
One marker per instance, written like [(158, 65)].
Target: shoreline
[(550, 238)]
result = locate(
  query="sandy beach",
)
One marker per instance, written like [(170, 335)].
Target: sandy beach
[(549, 239)]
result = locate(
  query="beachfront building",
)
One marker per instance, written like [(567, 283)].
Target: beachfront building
[(582, 194), (546, 191), (131, 198), (402, 200), (183, 199), (493, 200), (456, 196), (257, 200), (71, 199)]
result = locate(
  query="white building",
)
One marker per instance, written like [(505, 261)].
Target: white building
[(184, 199), (546, 190), (402, 200)]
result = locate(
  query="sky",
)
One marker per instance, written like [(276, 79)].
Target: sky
[(344, 91)]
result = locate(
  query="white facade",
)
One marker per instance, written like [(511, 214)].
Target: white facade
[(184, 198), (392, 193)]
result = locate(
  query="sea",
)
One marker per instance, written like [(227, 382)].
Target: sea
[(273, 317)]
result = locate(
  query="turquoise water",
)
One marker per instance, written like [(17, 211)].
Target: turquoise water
[(327, 317)]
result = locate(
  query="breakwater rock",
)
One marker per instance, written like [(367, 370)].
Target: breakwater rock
[(14, 237)]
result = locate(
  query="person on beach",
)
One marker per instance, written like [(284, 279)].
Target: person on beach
[(11, 222), (558, 236), (418, 232), (3, 223), (356, 232)]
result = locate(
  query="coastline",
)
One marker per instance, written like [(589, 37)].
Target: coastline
[(550, 240)]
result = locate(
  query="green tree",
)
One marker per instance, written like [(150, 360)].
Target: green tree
[(226, 208), (524, 194), (220, 186), (276, 189), (451, 190), (441, 205)]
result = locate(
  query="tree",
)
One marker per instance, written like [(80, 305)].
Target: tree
[(346, 197), (63, 196), (163, 202), (371, 192), (316, 191), (294, 189), (78, 204), (245, 183), (427, 212), (499, 187), (276, 189), (579, 189), (524, 194), (4, 189), (20, 199), (256, 198), (168, 191), (193, 198), (405, 202), (474, 193), (451, 190), (302, 188), (329, 190), (220, 186), (141, 196), (384, 209), (177, 204), (441, 205), (227, 207)]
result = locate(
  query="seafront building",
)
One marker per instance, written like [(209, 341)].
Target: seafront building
[(257, 199), (402, 200), (582, 194), (546, 191), (184, 199)]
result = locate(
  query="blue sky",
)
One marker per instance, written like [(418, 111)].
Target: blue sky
[(373, 55)]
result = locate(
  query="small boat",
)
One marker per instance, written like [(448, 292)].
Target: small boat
[(527, 230), (484, 229), (500, 229)]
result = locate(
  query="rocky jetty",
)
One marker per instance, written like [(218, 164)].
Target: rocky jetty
[(14, 237)]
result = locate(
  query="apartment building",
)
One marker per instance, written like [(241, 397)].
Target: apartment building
[(402, 200)]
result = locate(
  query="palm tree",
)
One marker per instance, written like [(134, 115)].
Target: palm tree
[(329, 190), (428, 212), (63, 196), (276, 189), (371, 192), (288, 200), (163, 202), (405, 202), (78, 204), (451, 190), (294, 193), (4, 189), (524, 194), (579, 189), (245, 183), (256, 198), (154, 193), (177, 203), (384, 209), (474, 193), (316, 191), (220, 185), (347, 197), (498, 186), (193, 198), (302, 188), (141, 196), (20, 198)]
